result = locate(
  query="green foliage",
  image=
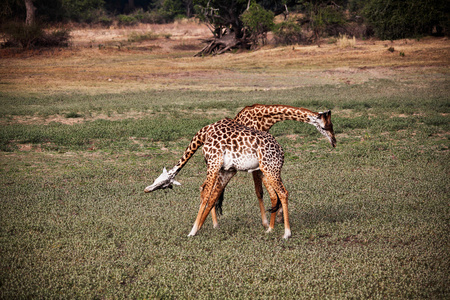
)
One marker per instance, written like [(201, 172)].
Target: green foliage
[(127, 20), (82, 10), (288, 33), (395, 19), (324, 18), (137, 38), (31, 36), (222, 14), (171, 9), (258, 22)]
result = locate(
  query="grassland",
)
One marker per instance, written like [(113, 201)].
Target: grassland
[(84, 130)]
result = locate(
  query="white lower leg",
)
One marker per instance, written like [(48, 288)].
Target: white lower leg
[(194, 230), (287, 234), (265, 223), (269, 230)]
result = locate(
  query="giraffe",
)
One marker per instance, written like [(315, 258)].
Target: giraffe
[(223, 164), (263, 117)]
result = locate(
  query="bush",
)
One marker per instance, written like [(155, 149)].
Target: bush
[(288, 33), (325, 20), (98, 16), (396, 19), (127, 20), (137, 38), (32, 36), (258, 22), (83, 10)]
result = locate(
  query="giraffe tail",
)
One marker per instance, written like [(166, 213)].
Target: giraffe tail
[(166, 179)]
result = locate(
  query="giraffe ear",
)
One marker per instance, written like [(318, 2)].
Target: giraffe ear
[(327, 115)]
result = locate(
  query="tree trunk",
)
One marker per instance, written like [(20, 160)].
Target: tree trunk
[(30, 12), (219, 45)]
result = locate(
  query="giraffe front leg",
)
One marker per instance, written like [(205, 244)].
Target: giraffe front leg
[(257, 179), (201, 216), (218, 194), (213, 210), (208, 195), (214, 217)]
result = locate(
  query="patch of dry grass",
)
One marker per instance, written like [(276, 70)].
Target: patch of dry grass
[(165, 64), (345, 41)]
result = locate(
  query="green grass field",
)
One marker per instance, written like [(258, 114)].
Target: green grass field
[(369, 219)]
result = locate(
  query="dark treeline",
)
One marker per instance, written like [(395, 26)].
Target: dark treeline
[(386, 19)]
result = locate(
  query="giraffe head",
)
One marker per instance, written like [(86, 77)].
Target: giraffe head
[(164, 181), (322, 121)]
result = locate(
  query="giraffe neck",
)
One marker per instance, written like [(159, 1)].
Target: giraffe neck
[(263, 117)]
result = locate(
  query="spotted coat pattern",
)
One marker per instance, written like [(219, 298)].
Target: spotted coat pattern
[(263, 117)]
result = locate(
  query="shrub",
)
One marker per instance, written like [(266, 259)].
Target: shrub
[(83, 10), (127, 20), (288, 33), (105, 21), (137, 38), (31, 36), (98, 16), (345, 41), (258, 22), (325, 19), (396, 19)]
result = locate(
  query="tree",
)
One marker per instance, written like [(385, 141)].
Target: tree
[(222, 18), (323, 17), (395, 19), (31, 11), (234, 23), (257, 21), (81, 10)]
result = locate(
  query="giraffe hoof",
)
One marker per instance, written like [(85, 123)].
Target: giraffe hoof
[(269, 230), (287, 234)]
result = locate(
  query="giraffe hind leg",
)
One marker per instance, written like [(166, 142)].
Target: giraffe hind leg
[(278, 193), (279, 210)]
